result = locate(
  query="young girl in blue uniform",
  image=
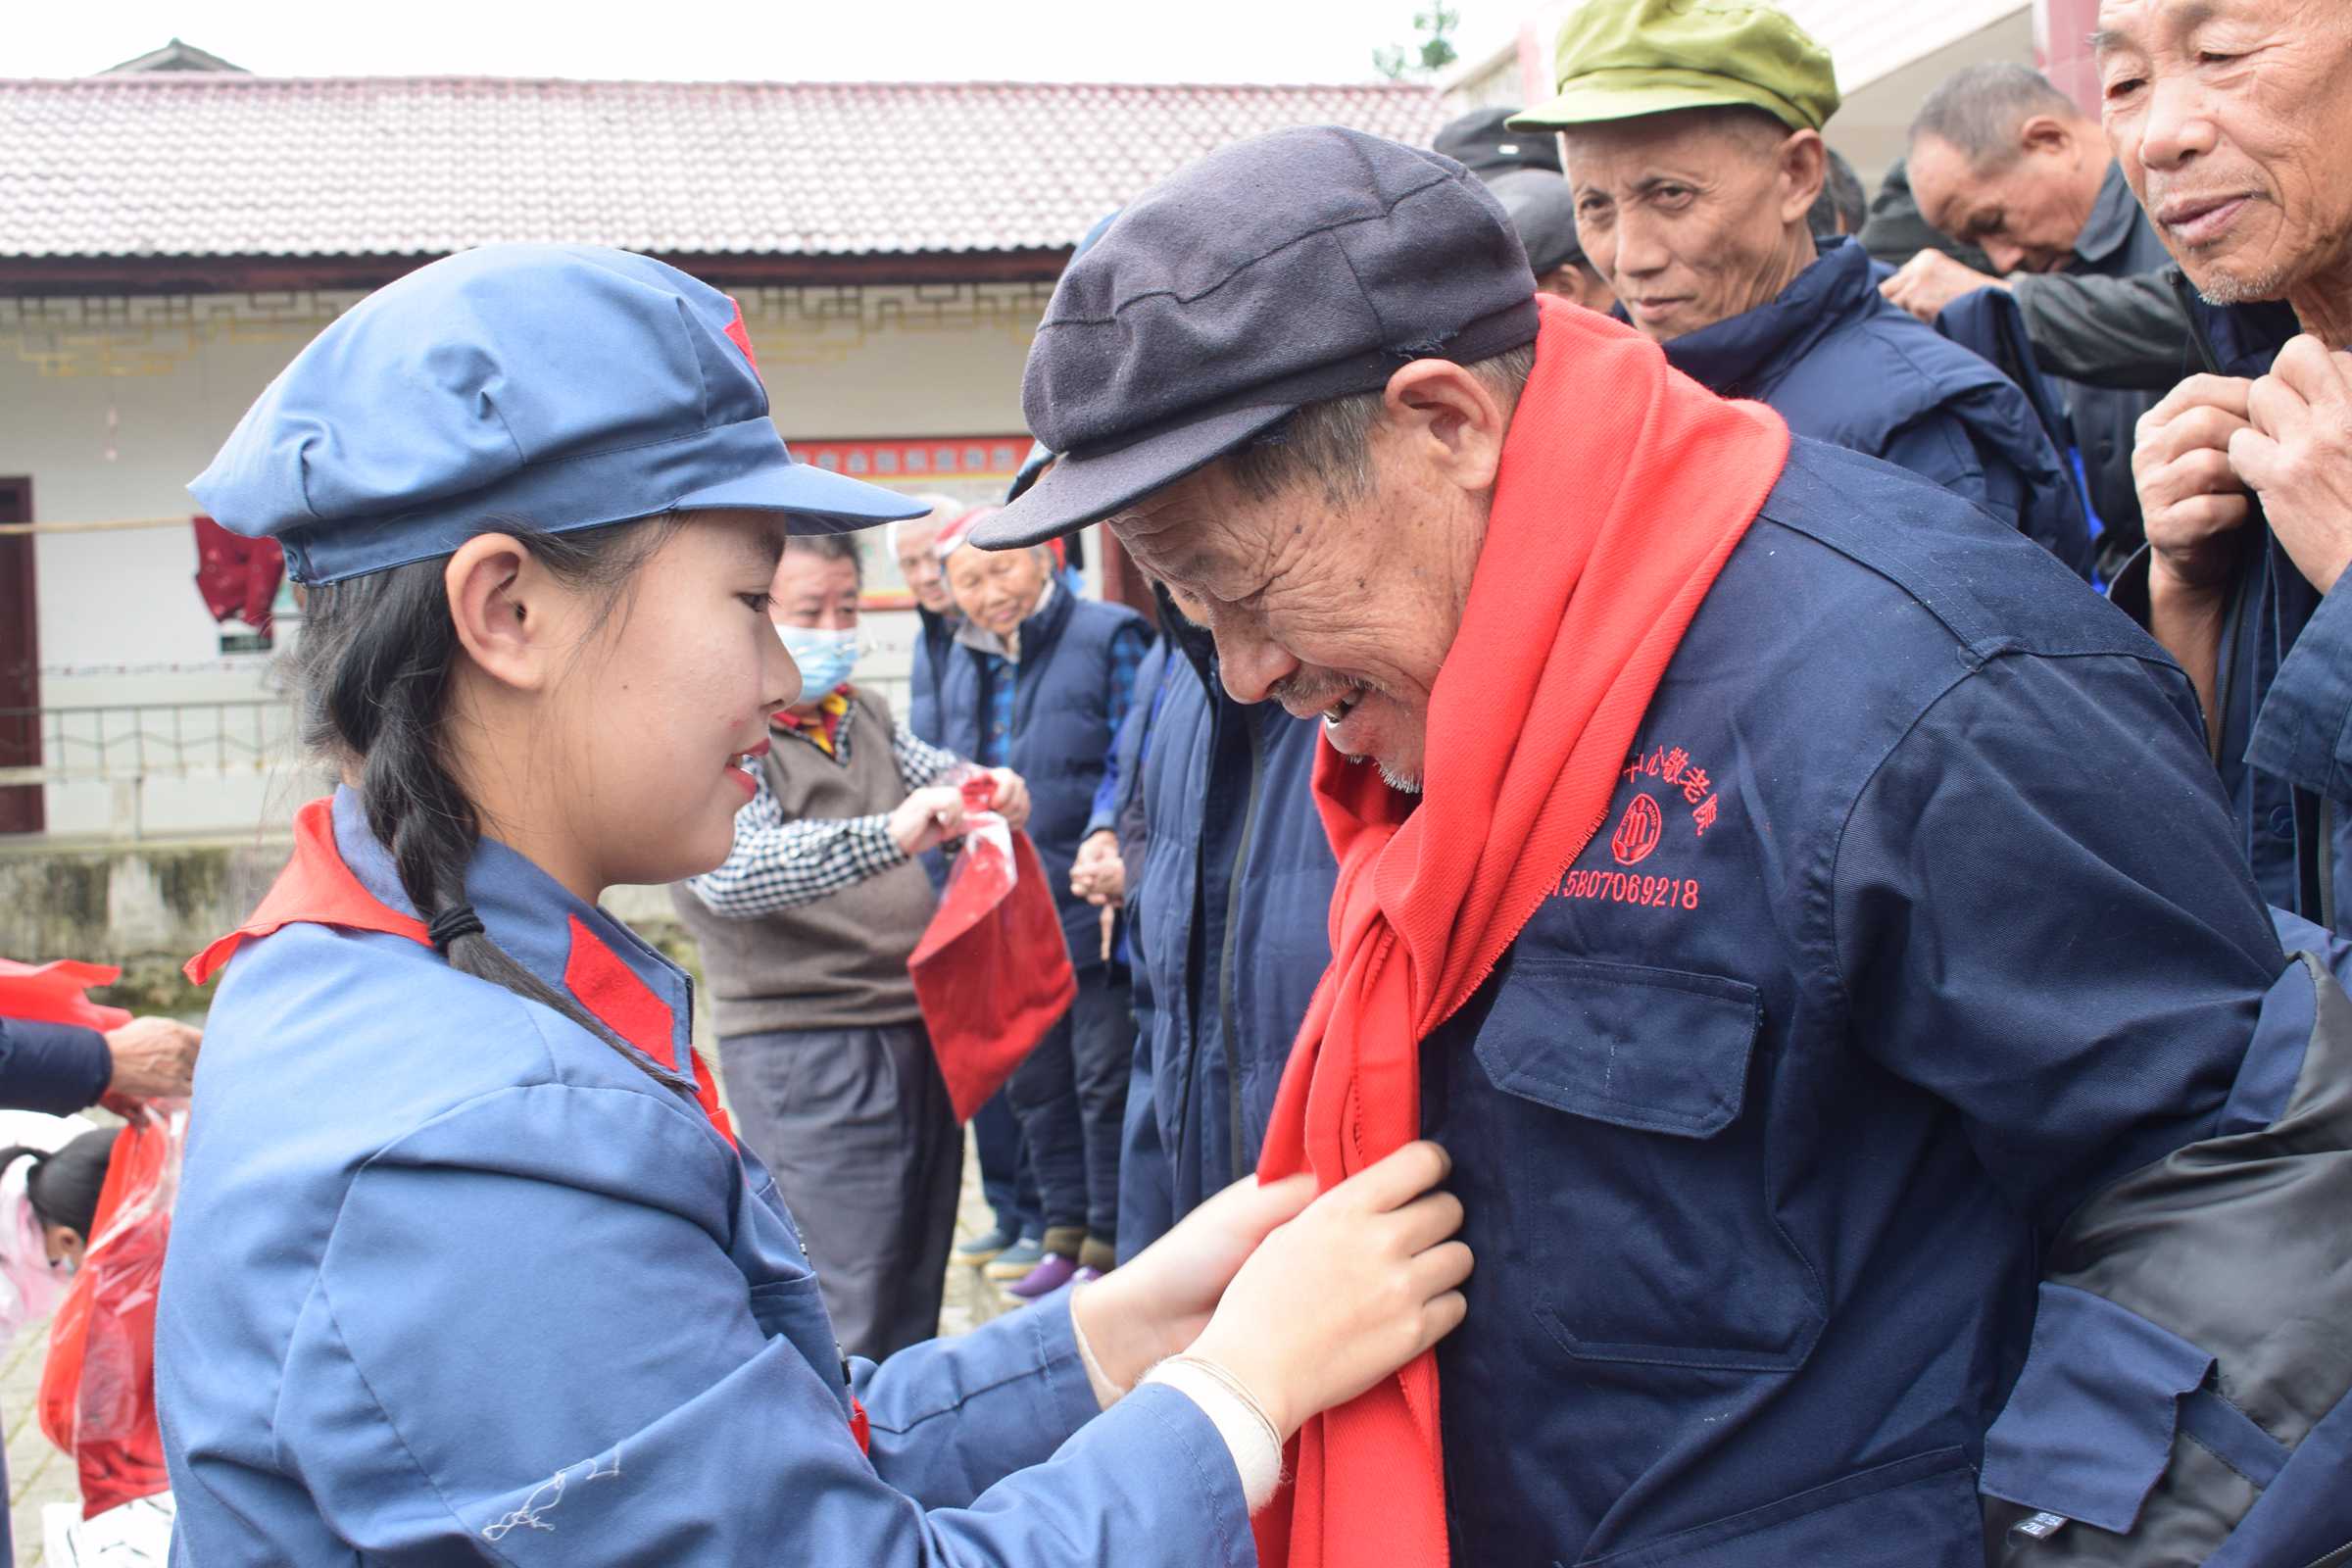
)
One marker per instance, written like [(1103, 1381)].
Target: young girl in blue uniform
[(466, 1265)]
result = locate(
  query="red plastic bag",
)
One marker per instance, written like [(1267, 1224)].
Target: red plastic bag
[(98, 1389), (51, 993), (993, 971)]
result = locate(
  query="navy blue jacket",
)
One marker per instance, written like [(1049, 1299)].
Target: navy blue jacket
[(1764, 1122), (56, 1068), (1230, 927), (1841, 364), (1062, 733), (934, 642), (2284, 683)]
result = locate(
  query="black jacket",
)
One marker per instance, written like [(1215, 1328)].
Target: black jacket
[(2105, 340)]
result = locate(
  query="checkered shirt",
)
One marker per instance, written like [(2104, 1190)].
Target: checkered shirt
[(777, 864)]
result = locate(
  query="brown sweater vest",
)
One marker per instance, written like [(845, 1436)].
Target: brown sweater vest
[(841, 961)]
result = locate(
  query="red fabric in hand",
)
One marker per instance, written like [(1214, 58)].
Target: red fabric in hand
[(993, 970), (1632, 482)]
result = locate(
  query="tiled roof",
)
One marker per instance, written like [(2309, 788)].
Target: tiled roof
[(202, 165)]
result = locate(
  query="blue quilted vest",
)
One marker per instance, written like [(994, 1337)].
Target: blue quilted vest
[(934, 651), (1061, 735)]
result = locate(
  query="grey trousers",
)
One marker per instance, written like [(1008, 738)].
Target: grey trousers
[(857, 1126)]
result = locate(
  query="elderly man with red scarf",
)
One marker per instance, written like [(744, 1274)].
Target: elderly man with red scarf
[(1886, 1118)]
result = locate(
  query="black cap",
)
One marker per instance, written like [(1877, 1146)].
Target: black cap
[(1544, 211), (1279, 272), (1481, 142)]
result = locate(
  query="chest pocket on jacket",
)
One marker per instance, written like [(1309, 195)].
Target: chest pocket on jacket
[(1650, 1199)]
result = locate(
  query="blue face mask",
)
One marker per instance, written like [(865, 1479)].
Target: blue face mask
[(825, 658)]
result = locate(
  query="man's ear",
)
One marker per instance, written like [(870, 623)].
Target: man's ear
[(2046, 134), (1448, 412), (1804, 166), (502, 602)]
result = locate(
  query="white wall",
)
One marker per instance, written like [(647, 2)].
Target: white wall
[(110, 406)]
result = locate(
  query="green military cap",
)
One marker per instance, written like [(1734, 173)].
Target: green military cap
[(1619, 59)]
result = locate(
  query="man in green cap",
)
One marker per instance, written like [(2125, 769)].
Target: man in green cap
[(1692, 134)]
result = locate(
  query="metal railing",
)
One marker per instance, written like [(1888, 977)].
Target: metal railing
[(145, 740), (128, 749)]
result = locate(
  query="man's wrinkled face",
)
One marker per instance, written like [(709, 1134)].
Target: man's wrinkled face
[(2025, 211), (1340, 611), (1690, 218), (2231, 119)]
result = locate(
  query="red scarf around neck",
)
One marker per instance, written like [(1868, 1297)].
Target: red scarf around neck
[(1615, 468)]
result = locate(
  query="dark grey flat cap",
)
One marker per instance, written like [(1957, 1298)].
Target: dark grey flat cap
[(1483, 142), (1279, 272), (1544, 211)]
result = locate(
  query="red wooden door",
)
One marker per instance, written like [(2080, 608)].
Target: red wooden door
[(20, 663)]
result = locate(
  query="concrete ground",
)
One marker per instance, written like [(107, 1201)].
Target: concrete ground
[(39, 1474), (971, 1300)]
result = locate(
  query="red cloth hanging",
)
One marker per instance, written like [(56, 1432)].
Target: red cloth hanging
[(1429, 899), (236, 575)]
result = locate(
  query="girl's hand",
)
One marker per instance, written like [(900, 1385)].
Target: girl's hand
[(1308, 1303), (1156, 1305), (1363, 1281)]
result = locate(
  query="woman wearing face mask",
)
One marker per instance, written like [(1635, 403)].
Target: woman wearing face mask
[(466, 1266), (806, 932)]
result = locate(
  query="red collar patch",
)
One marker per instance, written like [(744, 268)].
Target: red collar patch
[(612, 990), (316, 888)]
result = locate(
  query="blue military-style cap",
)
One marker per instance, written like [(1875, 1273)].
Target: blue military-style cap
[(545, 386)]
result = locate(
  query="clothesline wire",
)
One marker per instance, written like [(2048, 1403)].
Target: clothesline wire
[(108, 525)]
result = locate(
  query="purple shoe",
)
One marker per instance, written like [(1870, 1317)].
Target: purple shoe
[(1045, 1279), (1087, 1275)]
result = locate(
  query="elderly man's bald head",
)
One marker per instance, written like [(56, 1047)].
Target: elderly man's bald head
[(2231, 119)]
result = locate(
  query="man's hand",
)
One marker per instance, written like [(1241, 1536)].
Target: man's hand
[(2295, 452), (1929, 281), (927, 818), (2192, 498), (154, 1058), (1097, 875), (1012, 802)]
